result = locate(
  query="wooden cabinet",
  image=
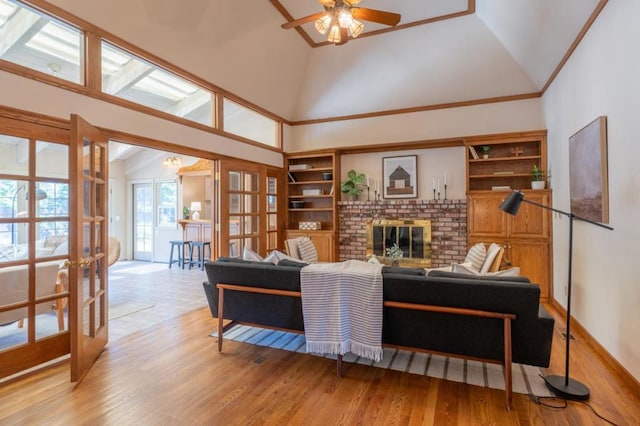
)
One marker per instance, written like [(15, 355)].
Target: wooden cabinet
[(527, 237), (323, 240), (313, 182)]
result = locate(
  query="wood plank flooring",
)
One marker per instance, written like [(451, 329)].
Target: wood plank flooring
[(171, 373)]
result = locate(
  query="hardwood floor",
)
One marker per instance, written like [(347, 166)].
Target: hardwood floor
[(171, 373)]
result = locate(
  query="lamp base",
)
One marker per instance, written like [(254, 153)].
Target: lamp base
[(575, 390), (195, 215)]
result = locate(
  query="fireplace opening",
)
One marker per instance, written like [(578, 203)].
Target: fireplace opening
[(412, 236)]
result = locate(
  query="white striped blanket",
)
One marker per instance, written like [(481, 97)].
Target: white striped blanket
[(342, 308)]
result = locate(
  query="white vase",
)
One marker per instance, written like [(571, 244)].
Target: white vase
[(537, 184)]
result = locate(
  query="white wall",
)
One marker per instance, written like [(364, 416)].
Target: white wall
[(430, 163), (601, 78)]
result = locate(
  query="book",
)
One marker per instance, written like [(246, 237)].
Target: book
[(503, 173), (473, 152), (291, 177), (501, 188)]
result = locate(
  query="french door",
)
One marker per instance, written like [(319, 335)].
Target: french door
[(250, 204), (88, 279), (142, 221)]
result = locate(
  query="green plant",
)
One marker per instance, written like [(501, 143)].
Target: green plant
[(537, 173), (394, 252), (185, 212), (354, 185), (485, 149)]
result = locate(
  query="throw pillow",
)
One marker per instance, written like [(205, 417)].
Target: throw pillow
[(511, 272), (283, 256), (308, 251), (271, 258), (248, 254), (292, 263), (493, 251), (464, 268), (476, 255)]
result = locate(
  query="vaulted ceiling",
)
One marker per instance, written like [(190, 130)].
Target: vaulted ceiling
[(443, 51)]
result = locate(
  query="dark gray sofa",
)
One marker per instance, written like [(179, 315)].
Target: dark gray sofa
[(454, 332), (531, 331)]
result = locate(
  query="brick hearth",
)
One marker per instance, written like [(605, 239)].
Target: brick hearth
[(448, 225)]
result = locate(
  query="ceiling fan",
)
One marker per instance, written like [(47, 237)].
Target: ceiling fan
[(340, 19)]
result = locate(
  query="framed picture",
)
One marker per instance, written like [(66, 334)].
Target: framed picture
[(400, 177), (588, 172)]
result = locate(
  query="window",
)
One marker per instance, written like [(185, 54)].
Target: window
[(167, 194), (249, 124), (40, 42), (129, 77)]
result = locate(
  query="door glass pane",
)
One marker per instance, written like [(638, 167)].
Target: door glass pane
[(101, 208), (234, 181), (98, 237), (86, 317), (10, 334), (46, 320), (52, 239), (55, 201), (86, 239), (97, 311), (234, 203), (87, 199), (143, 221), (251, 243), (14, 155), (272, 204), (52, 160), (272, 185), (234, 225), (86, 156), (272, 225), (167, 203), (251, 182), (251, 203), (250, 224), (97, 161), (46, 278), (14, 198)]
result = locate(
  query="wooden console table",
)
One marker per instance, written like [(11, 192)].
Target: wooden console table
[(196, 230)]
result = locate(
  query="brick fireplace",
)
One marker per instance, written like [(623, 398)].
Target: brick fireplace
[(448, 225)]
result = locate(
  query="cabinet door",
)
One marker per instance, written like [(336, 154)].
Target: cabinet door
[(533, 260), (531, 221), (485, 218), (324, 245)]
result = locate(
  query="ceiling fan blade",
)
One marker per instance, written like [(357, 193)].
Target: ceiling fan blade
[(302, 21), (379, 16)]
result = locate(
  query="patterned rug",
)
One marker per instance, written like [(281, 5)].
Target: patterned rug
[(526, 378)]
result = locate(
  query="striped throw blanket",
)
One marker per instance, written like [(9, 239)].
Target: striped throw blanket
[(342, 308)]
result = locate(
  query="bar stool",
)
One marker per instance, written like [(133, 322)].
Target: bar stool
[(201, 246), (180, 245)]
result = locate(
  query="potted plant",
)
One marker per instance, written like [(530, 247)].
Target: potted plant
[(537, 180), (485, 151), (394, 253), (185, 212), (354, 185)]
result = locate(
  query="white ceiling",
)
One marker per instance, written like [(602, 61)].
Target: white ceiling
[(507, 47)]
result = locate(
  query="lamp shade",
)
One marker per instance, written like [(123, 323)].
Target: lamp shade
[(512, 203), (196, 206)]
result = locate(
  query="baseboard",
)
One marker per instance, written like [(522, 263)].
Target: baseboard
[(605, 356)]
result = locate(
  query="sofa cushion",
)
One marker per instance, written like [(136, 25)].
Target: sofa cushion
[(403, 271), (292, 263), (476, 256), (486, 277)]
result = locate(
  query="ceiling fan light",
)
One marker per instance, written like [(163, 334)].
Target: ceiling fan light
[(344, 18), (355, 29), (322, 24), (334, 34)]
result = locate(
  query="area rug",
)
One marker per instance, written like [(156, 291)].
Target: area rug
[(526, 378)]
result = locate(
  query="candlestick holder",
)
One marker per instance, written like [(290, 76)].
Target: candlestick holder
[(445, 191), (434, 193), (368, 199), (438, 195)]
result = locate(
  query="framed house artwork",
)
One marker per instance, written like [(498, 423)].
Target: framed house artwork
[(400, 177), (588, 172)]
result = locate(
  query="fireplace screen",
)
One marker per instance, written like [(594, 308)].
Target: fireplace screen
[(412, 236)]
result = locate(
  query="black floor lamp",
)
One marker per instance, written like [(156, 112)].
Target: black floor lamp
[(561, 385)]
